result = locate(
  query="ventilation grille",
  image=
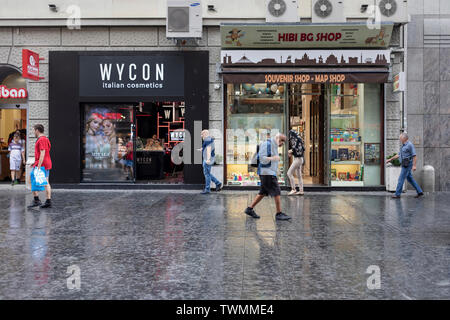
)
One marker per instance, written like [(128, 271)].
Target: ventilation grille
[(388, 7), (323, 8), (277, 7), (178, 19)]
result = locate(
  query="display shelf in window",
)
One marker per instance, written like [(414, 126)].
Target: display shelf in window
[(343, 143), (347, 183), (346, 163)]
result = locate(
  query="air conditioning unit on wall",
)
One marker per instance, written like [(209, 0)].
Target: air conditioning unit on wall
[(328, 11), (184, 19), (282, 11), (393, 10)]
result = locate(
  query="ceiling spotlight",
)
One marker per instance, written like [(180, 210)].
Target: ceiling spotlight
[(53, 7)]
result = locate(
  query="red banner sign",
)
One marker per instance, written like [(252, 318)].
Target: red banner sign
[(30, 64)]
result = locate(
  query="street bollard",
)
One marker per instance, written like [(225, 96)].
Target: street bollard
[(428, 180)]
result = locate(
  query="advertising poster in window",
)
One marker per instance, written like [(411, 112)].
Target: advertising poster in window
[(107, 132)]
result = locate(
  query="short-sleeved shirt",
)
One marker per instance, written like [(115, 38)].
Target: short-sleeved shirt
[(407, 150), (272, 170), (129, 155), (43, 143), (16, 149)]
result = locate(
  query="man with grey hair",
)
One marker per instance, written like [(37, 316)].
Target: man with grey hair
[(268, 159), (408, 159), (209, 157)]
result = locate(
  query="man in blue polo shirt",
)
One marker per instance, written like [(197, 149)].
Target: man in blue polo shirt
[(408, 159)]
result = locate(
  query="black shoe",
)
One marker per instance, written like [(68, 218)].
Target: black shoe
[(251, 213), (395, 197), (419, 195), (47, 204), (35, 203), (219, 187), (282, 216)]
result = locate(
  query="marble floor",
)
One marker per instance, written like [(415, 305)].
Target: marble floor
[(183, 245)]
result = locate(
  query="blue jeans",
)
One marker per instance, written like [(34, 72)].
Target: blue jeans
[(406, 174), (209, 177)]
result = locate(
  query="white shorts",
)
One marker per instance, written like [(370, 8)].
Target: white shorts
[(14, 164)]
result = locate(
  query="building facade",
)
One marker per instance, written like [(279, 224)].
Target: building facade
[(141, 28), (428, 112)]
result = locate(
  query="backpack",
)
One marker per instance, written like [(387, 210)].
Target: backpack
[(255, 163)]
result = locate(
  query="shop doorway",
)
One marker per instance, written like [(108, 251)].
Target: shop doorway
[(159, 128), (13, 119), (307, 118)]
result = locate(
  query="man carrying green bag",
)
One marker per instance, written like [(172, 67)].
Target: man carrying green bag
[(41, 169)]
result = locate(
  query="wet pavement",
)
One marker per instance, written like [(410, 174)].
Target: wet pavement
[(183, 245)]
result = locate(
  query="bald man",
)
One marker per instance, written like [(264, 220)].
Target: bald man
[(209, 154), (267, 171)]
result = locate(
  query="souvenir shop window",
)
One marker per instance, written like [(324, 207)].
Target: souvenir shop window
[(355, 135), (254, 113)]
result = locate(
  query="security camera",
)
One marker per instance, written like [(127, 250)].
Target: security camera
[(364, 8), (53, 7)]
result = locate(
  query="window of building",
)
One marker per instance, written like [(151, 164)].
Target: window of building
[(355, 135), (254, 113), (107, 143)]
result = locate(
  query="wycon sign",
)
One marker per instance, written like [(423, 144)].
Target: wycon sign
[(132, 76)]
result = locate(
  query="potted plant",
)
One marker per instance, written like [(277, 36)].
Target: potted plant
[(393, 170)]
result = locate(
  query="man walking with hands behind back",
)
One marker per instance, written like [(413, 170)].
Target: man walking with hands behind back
[(42, 159), (209, 157), (267, 171), (408, 159)]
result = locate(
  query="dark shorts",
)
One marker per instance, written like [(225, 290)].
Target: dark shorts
[(269, 186)]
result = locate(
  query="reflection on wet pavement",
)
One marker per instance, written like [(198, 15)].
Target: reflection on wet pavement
[(175, 245)]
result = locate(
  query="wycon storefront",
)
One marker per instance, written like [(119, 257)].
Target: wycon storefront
[(325, 82), (119, 117)]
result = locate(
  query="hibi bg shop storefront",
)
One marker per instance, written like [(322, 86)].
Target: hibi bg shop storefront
[(326, 82)]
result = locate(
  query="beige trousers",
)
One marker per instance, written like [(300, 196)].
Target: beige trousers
[(296, 167)]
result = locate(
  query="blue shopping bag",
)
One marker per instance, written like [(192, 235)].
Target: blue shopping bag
[(38, 179)]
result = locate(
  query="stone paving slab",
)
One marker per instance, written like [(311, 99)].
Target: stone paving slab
[(182, 245)]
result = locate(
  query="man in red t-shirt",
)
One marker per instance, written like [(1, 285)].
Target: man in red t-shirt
[(42, 159)]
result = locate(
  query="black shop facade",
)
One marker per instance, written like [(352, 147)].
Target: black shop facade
[(127, 118)]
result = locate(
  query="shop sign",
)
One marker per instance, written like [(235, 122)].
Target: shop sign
[(315, 78), (132, 76), (234, 36), (307, 58), (30, 64), (13, 93), (399, 82)]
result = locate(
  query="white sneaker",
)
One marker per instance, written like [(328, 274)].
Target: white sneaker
[(300, 193), (291, 193)]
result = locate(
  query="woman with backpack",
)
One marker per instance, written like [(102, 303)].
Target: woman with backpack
[(296, 150)]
